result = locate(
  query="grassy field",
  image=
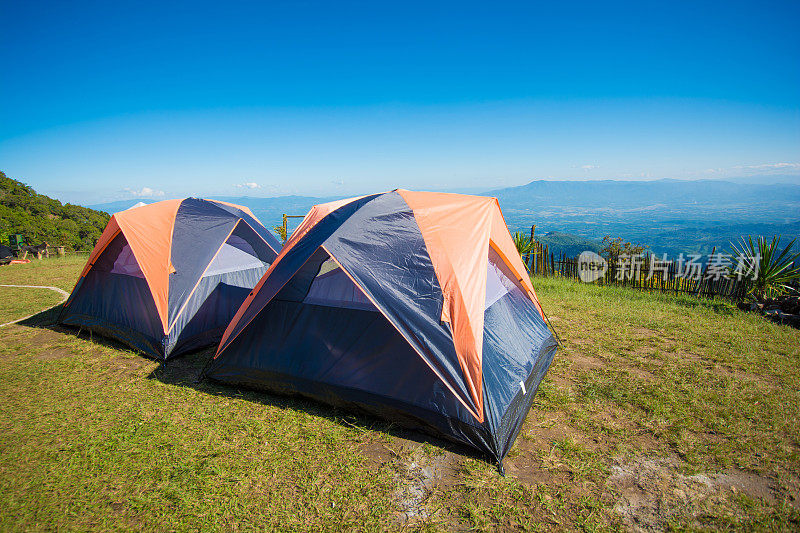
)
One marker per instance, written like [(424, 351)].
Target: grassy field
[(61, 272), (659, 412), (17, 302)]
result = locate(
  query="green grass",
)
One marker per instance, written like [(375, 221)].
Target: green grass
[(97, 437), (104, 444), (681, 367), (18, 303), (61, 272)]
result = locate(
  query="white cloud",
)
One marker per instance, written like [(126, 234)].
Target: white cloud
[(338, 182), (144, 192), (248, 185), (590, 167), (769, 166)]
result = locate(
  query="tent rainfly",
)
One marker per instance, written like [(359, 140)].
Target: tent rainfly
[(411, 306), (167, 278)]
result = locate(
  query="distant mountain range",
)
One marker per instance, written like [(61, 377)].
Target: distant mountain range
[(669, 216), (625, 196), (292, 205)]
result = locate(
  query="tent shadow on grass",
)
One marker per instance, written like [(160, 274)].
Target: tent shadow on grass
[(48, 319), (185, 371)]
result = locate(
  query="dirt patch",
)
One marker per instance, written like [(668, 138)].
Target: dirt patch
[(378, 452), (745, 378), (582, 362), (652, 491), (649, 342), (45, 337), (687, 357), (609, 424), (644, 333), (612, 419), (54, 354), (576, 343), (543, 433), (527, 467), (641, 374), (561, 382), (417, 483), (116, 368), (753, 485), (130, 366), (418, 471)]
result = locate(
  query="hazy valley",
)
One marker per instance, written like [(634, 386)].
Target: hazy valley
[(669, 216)]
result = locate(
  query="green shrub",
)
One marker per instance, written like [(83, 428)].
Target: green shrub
[(767, 272)]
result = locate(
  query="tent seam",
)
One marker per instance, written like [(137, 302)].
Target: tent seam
[(83, 276), (283, 253), (405, 337), (197, 283)]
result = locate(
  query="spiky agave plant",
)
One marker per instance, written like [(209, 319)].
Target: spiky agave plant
[(769, 271), (523, 243)]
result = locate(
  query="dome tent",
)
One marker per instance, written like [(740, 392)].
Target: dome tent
[(167, 277), (412, 306)]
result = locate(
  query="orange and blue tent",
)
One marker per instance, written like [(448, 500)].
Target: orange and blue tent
[(410, 306), (167, 278)]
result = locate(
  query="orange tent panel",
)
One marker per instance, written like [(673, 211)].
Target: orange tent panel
[(148, 230), (448, 221)]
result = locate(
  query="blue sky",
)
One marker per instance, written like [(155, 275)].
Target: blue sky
[(107, 100)]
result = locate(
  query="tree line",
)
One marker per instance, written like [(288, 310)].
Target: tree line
[(40, 218)]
